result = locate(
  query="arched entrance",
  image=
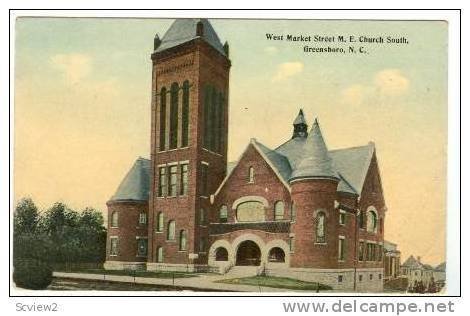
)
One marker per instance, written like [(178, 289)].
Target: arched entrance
[(248, 254)]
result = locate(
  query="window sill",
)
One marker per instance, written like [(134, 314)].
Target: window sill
[(341, 261), (320, 243), (342, 224), (137, 256), (171, 240), (172, 149), (114, 227), (203, 197), (113, 255), (159, 232), (182, 250)]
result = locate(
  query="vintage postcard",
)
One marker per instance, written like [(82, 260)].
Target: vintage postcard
[(301, 156)]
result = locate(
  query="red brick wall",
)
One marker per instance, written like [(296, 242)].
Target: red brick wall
[(372, 195), (201, 65), (266, 185), (127, 231), (310, 196)]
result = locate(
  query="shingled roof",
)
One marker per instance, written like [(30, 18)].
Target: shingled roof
[(184, 30), (136, 184)]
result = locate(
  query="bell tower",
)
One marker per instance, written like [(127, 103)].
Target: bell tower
[(189, 131)]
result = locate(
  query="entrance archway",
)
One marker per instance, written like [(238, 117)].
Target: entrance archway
[(248, 254)]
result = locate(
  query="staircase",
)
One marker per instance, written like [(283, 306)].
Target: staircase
[(242, 271)]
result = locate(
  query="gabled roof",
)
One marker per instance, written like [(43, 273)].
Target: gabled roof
[(136, 184), (353, 164), (184, 30)]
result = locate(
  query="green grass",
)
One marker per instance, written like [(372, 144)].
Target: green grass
[(140, 274), (278, 282)]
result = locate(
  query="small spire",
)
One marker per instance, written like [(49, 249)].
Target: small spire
[(156, 42), (300, 125)]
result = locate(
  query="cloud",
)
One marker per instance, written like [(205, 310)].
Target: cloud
[(391, 82), (386, 83), (271, 50), (287, 70), (73, 66)]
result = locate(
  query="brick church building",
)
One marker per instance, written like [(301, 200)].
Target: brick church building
[(298, 210)]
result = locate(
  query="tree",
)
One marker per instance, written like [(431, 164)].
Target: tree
[(26, 217), (91, 236)]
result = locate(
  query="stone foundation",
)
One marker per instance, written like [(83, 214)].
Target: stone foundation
[(338, 279), (124, 265)]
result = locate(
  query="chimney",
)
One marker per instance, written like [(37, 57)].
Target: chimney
[(419, 259)]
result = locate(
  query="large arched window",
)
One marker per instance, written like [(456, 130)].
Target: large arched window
[(221, 254), (185, 115), (206, 116), (114, 219), (220, 122), (371, 221), (320, 227), (162, 118), (170, 235), (174, 116), (278, 210), (160, 222), (183, 240), (160, 254), (223, 214), (250, 211)]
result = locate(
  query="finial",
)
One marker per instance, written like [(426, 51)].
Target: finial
[(156, 42), (226, 48), (316, 121), (199, 29)]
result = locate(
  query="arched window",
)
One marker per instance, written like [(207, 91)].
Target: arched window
[(293, 212), (213, 120), (202, 216), (220, 122), (278, 210), (160, 222), (143, 218), (160, 254), (206, 114), (320, 227), (114, 219), (183, 240), (251, 175), (174, 116), (185, 114), (223, 214), (276, 254), (171, 230), (371, 221), (221, 254), (162, 118)]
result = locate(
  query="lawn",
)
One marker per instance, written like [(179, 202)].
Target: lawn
[(278, 282), (140, 274)]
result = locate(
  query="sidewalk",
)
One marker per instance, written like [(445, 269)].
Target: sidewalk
[(205, 282)]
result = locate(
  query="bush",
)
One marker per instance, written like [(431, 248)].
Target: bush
[(32, 274)]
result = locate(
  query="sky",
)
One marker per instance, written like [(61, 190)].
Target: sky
[(82, 107)]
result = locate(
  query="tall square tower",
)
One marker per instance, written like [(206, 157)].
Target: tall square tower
[(190, 86)]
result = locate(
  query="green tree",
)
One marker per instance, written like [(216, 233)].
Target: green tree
[(26, 217), (91, 236)]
